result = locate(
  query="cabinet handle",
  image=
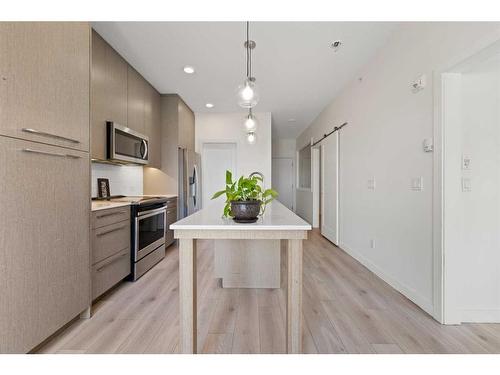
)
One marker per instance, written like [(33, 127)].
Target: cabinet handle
[(111, 214), (59, 155), (110, 263), (110, 231), (44, 134)]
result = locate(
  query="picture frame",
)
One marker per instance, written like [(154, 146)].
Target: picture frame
[(103, 188)]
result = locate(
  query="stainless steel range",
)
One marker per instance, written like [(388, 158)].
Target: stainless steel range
[(148, 225)]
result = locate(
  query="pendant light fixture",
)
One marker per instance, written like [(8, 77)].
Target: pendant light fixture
[(250, 122), (251, 138), (248, 95)]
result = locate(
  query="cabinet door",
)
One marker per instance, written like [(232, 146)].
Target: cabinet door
[(44, 241), (152, 124), (169, 233), (136, 89), (109, 92), (45, 83), (186, 126)]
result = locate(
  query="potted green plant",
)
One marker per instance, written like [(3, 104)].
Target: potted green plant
[(245, 198)]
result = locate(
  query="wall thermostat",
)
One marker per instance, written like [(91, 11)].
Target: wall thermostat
[(419, 83), (428, 145)]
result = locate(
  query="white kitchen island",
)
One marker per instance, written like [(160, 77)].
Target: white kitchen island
[(278, 223)]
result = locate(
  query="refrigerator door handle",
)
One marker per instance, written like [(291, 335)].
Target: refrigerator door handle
[(195, 185)]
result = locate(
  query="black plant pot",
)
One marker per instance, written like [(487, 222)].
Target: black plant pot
[(245, 211)]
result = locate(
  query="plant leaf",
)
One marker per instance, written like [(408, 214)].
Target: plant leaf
[(229, 177), (218, 194)]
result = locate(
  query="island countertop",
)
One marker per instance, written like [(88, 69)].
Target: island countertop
[(276, 217)]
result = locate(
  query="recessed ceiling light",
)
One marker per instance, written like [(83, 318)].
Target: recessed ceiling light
[(291, 120), (209, 105), (336, 45), (188, 69)]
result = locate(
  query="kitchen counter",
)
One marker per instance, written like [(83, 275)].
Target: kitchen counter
[(278, 223), (276, 217), (168, 196), (104, 205)]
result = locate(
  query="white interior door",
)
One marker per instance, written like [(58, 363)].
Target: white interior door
[(329, 187), (216, 158), (283, 180)]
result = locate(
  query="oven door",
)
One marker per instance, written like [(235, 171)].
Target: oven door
[(127, 145), (149, 231)]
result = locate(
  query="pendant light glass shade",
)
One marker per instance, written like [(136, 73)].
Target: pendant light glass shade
[(251, 138), (250, 123), (248, 95)]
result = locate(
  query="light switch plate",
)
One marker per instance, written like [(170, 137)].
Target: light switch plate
[(466, 185), (417, 184), (466, 162)]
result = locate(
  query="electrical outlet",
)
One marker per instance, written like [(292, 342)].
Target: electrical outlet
[(417, 184), (372, 244), (371, 184), (466, 185)]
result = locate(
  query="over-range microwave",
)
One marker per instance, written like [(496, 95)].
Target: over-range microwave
[(125, 145)]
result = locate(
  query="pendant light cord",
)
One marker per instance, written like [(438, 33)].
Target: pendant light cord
[(248, 51)]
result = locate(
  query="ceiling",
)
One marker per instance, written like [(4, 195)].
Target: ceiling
[(297, 72)]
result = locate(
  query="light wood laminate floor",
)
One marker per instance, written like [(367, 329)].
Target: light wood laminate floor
[(347, 309)]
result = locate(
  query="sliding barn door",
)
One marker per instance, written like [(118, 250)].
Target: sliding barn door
[(329, 187)]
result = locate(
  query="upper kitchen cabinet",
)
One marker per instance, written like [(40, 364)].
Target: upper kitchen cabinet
[(152, 123), (109, 92), (136, 93), (186, 125), (177, 131), (45, 82), (120, 94)]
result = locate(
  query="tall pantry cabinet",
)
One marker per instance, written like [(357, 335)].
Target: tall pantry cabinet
[(45, 179)]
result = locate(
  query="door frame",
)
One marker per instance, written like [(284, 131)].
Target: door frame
[(442, 78), (294, 179), (318, 184)]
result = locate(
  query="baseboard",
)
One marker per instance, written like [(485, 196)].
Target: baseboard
[(424, 303), (480, 315)]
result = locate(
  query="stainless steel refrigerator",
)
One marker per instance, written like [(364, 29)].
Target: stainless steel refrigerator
[(189, 182)]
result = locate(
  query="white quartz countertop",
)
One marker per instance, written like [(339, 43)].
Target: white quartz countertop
[(98, 205), (104, 205), (276, 217), (161, 195)]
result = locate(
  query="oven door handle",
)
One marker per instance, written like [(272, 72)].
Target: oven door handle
[(146, 214)]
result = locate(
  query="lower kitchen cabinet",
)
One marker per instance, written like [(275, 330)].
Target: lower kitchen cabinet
[(109, 272), (110, 248), (171, 218), (44, 241)]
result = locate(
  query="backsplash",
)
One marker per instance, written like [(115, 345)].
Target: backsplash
[(123, 180)]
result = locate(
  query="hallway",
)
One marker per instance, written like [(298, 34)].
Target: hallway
[(347, 309)]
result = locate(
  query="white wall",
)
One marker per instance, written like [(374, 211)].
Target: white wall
[(228, 127), (123, 180), (473, 218), (387, 124), (284, 148)]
